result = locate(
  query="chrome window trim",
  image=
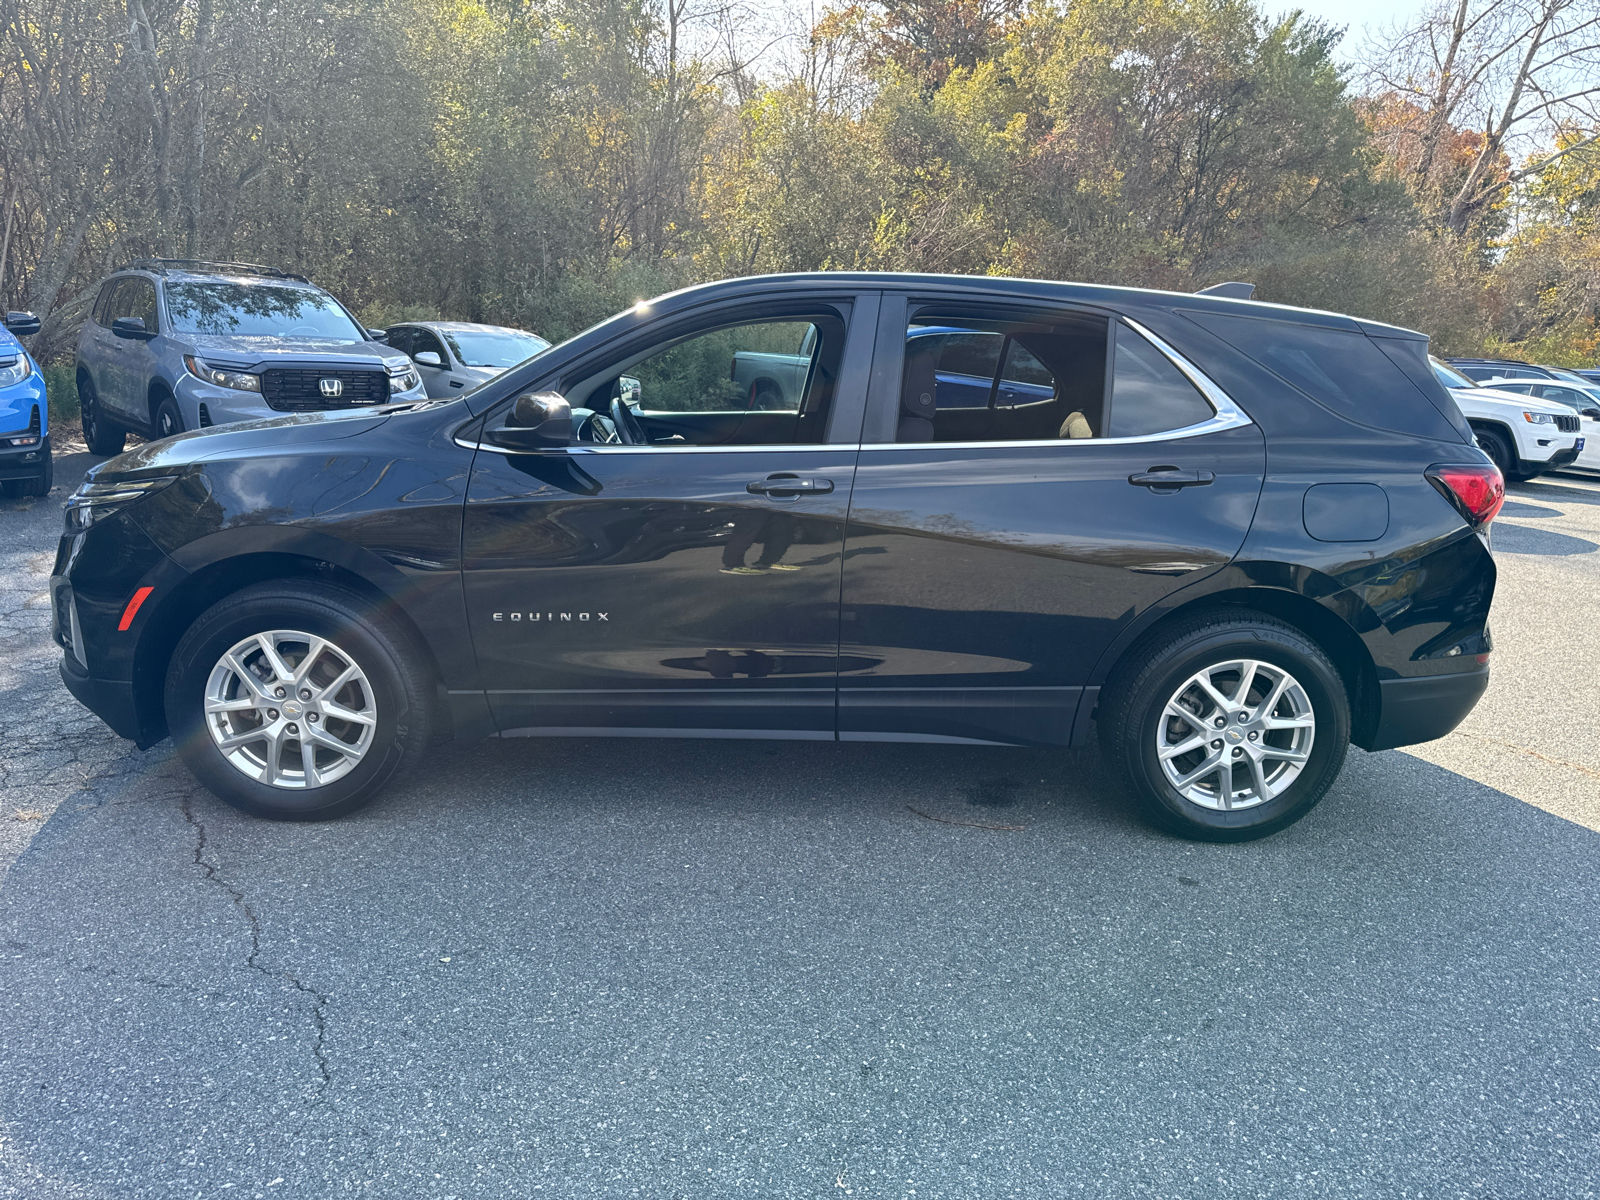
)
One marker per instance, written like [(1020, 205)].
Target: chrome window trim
[(593, 448), (1227, 415)]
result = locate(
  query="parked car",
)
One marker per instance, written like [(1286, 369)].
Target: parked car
[(178, 344), (1234, 539), (452, 356), (1524, 435), (26, 466), (1581, 398), (1482, 370)]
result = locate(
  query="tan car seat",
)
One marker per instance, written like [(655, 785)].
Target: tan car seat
[(1075, 426)]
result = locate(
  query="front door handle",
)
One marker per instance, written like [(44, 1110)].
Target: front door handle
[(1166, 480), (788, 485)]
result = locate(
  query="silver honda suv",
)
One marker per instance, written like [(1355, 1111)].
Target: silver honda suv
[(178, 344)]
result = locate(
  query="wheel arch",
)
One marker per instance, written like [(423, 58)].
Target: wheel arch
[(1334, 632), (224, 576)]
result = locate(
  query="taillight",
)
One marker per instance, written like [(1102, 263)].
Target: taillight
[(1476, 489)]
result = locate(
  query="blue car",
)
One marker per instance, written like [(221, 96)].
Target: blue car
[(25, 466)]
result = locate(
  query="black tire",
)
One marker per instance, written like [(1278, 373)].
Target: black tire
[(766, 397), (1494, 444), (1133, 704), (102, 436), (166, 420), (402, 694)]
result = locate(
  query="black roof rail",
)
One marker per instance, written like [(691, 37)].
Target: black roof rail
[(1229, 291), (161, 266)]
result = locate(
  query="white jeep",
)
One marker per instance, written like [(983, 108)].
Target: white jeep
[(1524, 435)]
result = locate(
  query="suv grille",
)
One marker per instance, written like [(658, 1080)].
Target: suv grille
[(299, 389), (1568, 424)]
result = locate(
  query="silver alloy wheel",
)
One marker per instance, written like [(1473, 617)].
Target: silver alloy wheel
[(290, 709), (1236, 734)]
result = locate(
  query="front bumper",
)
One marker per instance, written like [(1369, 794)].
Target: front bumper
[(26, 462), (1425, 708), (1562, 458), (204, 405), (109, 699)]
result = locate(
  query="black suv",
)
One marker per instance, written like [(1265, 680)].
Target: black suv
[(1231, 537)]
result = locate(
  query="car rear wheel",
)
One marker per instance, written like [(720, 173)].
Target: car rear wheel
[(102, 436), (1226, 727), (168, 420), (295, 702)]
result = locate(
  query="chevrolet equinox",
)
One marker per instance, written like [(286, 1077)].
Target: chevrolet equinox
[(1226, 538)]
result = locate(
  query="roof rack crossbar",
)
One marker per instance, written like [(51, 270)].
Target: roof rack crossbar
[(162, 265)]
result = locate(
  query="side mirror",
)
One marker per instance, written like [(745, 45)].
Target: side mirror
[(630, 389), (131, 328), (429, 358), (1592, 413), (378, 335), (22, 323), (537, 421)]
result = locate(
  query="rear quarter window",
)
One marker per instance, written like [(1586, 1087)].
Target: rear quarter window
[(1345, 371)]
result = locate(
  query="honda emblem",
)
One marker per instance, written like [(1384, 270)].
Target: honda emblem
[(331, 387)]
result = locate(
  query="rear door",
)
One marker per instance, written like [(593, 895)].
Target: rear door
[(988, 567), (689, 583)]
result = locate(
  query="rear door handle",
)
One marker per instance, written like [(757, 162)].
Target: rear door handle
[(788, 485), (1170, 479)]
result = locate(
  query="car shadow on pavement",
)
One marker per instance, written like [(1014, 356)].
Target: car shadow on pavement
[(1519, 539), (704, 968), (1512, 508)]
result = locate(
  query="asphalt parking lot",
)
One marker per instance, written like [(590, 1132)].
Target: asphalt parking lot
[(701, 969)]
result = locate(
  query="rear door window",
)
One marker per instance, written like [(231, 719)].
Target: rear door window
[(1148, 393), (1039, 377)]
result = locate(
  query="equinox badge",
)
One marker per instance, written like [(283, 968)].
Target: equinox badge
[(552, 617)]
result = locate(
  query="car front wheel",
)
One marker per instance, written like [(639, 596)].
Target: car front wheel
[(101, 436), (1226, 727), (168, 420), (295, 702)]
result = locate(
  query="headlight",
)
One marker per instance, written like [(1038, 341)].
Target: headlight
[(239, 381), (1539, 418), (97, 500), (403, 381), (14, 372)]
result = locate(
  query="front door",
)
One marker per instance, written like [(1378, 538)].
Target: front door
[(688, 582), (991, 560)]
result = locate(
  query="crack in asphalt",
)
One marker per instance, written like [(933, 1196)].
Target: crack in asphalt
[(318, 1011)]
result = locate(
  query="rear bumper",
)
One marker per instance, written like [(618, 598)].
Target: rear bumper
[(109, 699), (1420, 710)]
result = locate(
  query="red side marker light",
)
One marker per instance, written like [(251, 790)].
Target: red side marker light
[(1477, 490), (132, 610)]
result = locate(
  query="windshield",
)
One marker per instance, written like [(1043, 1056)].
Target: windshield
[(259, 310), (492, 347), (1449, 376)]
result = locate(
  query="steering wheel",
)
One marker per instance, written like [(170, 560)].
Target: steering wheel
[(306, 329), (628, 428), (599, 430)]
